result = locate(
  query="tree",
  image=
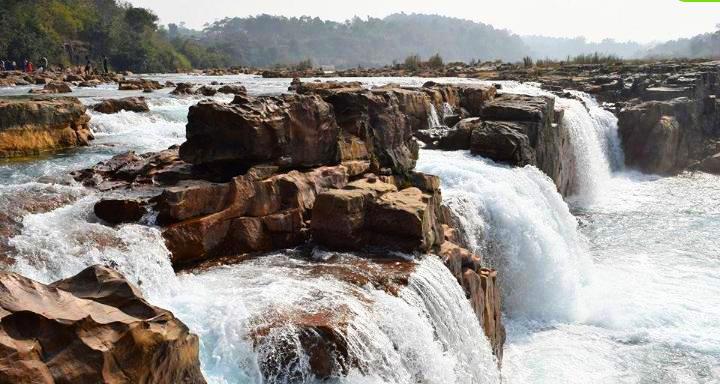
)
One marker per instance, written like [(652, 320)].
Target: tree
[(435, 61), (413, 62)]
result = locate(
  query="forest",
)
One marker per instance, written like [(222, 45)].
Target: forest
[(68, 31)]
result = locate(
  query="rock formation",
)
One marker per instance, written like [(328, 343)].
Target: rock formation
[(332, 167), (132, 104), (91, 328), (31, 126)]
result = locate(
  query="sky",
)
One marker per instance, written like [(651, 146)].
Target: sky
[(637, 20)]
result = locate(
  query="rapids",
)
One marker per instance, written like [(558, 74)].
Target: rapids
[(621, 285)]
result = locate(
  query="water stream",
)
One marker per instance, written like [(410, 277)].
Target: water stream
[(620, 286)]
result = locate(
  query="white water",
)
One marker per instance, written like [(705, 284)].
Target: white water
[(627, 293), (427, 334)]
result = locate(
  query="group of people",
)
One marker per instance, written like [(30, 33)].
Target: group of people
[(28, 66)]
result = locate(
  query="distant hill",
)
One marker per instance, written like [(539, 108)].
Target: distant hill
[(266, 40), (706, 45), (559, 48)]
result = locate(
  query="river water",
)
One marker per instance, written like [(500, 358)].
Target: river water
[(618, 284)]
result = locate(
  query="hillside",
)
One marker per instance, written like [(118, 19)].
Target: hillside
[(65, 31), (265, 40)]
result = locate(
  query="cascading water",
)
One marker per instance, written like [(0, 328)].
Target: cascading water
[(519, 222), (645, 311), (434, 118), (426, 333)]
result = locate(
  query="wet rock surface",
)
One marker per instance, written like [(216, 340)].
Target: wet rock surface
[(131, 104), (29, 126), (93, 327)]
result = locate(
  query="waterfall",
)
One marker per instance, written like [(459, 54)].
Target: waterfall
[(595, 142), (433, 118), (519, 222), (447, 110), (427, 333)]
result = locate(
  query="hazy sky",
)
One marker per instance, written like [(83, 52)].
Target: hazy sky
[(640, 20)]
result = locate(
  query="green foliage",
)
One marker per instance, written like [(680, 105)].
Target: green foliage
[(66, 31), (435, 61), (527, 62), (413, 63), (265, 40)]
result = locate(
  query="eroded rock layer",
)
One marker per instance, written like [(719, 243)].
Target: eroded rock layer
[(94, 327), (29, 126)]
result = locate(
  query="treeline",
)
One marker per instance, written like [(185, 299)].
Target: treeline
[(68, 31), (706, 45), (266, 40)]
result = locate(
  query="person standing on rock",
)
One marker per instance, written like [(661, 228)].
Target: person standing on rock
[(88, 65), (14, 65), (30, 68), (2, 65), (25, 65), (105, 64), (45, 63)]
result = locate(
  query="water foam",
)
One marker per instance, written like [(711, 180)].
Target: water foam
[(522, 226)]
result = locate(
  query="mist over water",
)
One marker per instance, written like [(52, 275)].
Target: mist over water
[(620, 286)]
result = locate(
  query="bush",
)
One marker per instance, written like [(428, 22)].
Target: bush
[(413, 63), (435, 61)]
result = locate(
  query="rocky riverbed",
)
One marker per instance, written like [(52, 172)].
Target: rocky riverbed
[(318, 182)]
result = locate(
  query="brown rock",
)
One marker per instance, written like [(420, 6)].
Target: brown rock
[(31, 126), (94, 327), (133, 104), (118, 211), (290, 130), (233, 89), (505, 142)]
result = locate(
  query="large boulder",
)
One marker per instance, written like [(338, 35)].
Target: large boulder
[(291, 131), (661, 136), (132, 104), (31, 126), (375, 118), (94, 327), (503, 141), (370, 214), (53, 87), (233, 89)]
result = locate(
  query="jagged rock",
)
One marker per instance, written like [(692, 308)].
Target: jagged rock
[(233, 89), (206, 91), (183, 89), (133, 104), (118, 211), (31, 126), (376, 118), (482, 290), (661, 137), (289, 130), (91, 328), (370, 213), (249, 214), (505, 142)]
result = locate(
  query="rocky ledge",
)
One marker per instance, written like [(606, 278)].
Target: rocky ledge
[(94, 327), (331, 167), (29, 126)]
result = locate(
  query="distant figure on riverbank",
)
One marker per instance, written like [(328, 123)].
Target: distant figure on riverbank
[(105, 64), (45, 63), (2, 65), (14, 65), (25, 65), (30, 67), (88, 65)]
